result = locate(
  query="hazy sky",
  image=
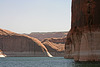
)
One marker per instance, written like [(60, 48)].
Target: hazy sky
[(25, 16)]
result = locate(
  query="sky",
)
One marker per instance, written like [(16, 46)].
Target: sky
[(26, 16)]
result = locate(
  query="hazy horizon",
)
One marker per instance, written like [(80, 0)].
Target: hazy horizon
[(26, 16), (45, 32)]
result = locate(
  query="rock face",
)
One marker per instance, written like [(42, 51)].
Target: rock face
[(56, 40), (83, 40), (55, 46), (13, 44), (42, 35)]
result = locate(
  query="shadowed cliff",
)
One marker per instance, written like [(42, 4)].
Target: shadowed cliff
[(13, 44)]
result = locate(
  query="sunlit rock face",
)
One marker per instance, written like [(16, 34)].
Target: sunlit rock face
[(13, 44), (83, 40), (55, 46)]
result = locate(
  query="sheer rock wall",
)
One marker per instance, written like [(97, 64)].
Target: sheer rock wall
[(13, 44), (83, 40)]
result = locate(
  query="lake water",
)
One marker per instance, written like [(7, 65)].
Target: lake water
[(43, 62)]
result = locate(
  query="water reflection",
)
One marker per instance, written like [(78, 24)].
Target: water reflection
[(87, 64)]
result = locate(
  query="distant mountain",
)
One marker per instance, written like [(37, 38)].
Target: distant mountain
[(42, 35)]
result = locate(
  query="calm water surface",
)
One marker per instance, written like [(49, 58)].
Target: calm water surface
[(43, 62)]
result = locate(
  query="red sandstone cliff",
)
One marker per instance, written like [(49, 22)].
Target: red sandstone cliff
[(83, 40), (13, 44)]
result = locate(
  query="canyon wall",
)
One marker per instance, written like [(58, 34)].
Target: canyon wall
[(42, 35), (55, 46), (56, 40), (13, 44), (83, 40)]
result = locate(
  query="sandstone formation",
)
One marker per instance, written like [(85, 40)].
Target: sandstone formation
[(83, 40), (55, 46), (42, 35), (13, 44)]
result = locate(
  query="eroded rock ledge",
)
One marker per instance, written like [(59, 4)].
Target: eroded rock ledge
[(55, 46), (83, 40)]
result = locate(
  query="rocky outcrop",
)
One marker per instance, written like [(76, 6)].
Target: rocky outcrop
[(56, 40), (1, 54), (13, 44), (83, 40), (55, 46)]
